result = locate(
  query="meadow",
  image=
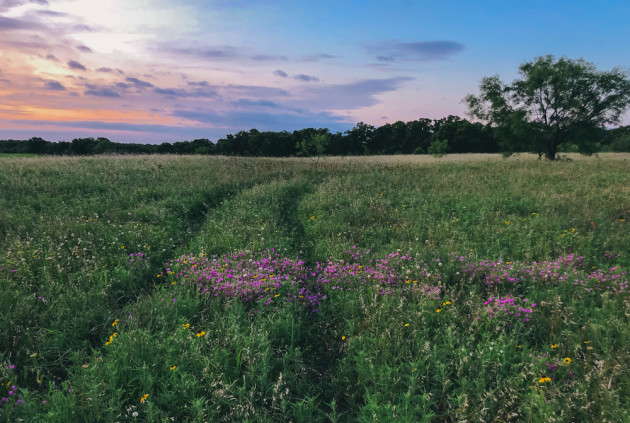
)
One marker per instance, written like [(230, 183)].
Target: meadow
[(402, 288)]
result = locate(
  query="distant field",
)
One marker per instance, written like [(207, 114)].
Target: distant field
[(494, 289)]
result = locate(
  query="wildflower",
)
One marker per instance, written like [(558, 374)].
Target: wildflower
[(622, 220), (446, 303), (173, 367), (115, 322), (144, 397), (507, 222), (122, 247), (519, 346), (312, 217), (586, 342), (533, 214), (439, 310), (200, 334), (567, 360), (544, 380), (343, 338), (554, 345), (406, 324), (186, 325)]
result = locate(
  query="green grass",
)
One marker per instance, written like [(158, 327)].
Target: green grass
[(69, 225)]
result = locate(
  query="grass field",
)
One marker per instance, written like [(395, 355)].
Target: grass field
[(404, 288)]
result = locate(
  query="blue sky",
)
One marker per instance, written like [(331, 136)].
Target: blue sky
[(166, 70)]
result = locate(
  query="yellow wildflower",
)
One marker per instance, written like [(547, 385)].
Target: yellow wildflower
[(544, 379), (439, 310), (200, 334), (115, 322), (144, 397), (186, 325), (406, 324), (554, 345), (567, 360), (343, 338), (173, 367)]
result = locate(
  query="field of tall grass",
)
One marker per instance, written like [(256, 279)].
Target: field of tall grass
[(213, 289)]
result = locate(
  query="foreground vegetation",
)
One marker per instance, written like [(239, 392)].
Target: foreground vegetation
[(230, 289)]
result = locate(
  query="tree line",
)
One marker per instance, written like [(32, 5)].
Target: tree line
[(423, 136), (557, 105)]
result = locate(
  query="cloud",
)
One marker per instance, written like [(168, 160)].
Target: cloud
[(254, 91), (9, 4), (388, 51), (54, 86), (180, 92), (214, 53), (217, 53), (197, 83), (73, 64), (306, 78), (101, 92), (268, 58), (281, 73), (9, 24), (237, 120), (349, 96), (110, 70), (51, 58), (318, 57), (84, 49), (254, 103), (139, 83)]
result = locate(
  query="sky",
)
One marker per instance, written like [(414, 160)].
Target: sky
[(153, 71)]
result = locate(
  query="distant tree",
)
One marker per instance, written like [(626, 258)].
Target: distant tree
[(357, 139), (418, 136), (554, 102), (464, 136), (315, 145), (37, 145), (202, 146), (103, 146), (438, 148)]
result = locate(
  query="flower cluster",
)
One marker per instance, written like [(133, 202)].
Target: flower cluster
[(140, 260), (566, 269), (396, 272), (508, 310), (264, 278)]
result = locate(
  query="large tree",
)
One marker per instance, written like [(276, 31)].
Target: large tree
[(555, 102)]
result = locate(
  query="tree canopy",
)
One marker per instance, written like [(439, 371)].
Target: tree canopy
[(555, 102)]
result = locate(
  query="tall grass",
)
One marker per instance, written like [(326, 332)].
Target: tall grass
[(93, 333)]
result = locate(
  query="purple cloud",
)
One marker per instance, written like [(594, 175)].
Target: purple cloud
[(267, 58), (73, 64), (84, 49), (306, 78), (102, 92), (139, 83), (318, 57), (280, 73), (54, 86), (197, 83), (255, 103), (388, 51)]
